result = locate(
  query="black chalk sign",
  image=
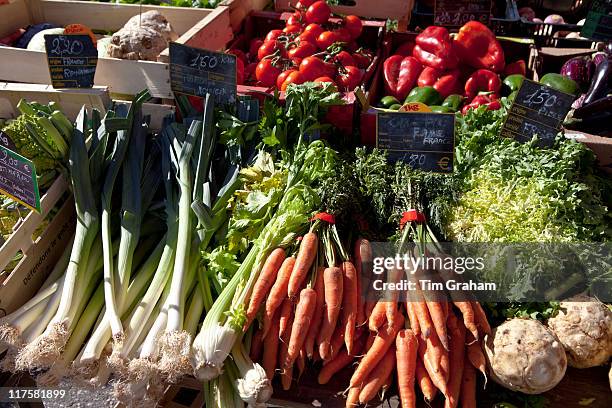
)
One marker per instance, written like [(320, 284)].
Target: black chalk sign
[(537, 109), (5, 141), (18, 179), (598, 23), (198, 72), (72, 60), (455, 13), (424, 141)]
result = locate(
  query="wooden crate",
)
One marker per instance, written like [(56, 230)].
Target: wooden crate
[(197, 27), (240, 9)]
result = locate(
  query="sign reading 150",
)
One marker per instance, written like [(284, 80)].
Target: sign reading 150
[(208, 61), (66, 46)]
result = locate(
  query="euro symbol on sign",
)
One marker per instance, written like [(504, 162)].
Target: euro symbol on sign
[(443, 163)]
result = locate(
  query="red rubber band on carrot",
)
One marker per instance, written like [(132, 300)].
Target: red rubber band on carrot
[(323, 216), (412, 216)]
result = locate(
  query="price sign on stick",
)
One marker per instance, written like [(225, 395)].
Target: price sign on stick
[(455, 13), (537, 109), (196, 72), (425, 141), (598, 24), (72, 60), (18, 179)]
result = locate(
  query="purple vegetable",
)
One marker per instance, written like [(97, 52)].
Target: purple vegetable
[(580, 69), (554, 19), (598, 58), (579, 102)]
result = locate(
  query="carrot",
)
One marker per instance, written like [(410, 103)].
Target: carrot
[(286, 318), (349, 303), (382, 342), (317, 316), (256, 346), (305, 258), (283, 353), (352, 399), (394, 276), (278, 293), (368, 309), (422, 313), (457, 357), (377, 376), (270, 349), (378, 316), (301, 323), (438, 318), (406, 346), (301, 363), (340, 361), (428, 389), (386, 385), (363, 260), (412, 317), (370, 341), (468, 386), (265, 280), (481, 318), (476, 356), (332, 279), (337, 342), (468, 317), (427, 353)]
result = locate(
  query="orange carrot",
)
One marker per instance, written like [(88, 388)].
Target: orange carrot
[(377, 376), (317, 316), (382, 342), (352, 399), (301, 323), (301, 363), (370, 341), (481, 318), (264, 282), (349, 303), (406, 346), (422, 312), (476, 355), (438, 318), (286, 318), (278, 293), (468, 317), (428, 389), (394, 276), (386, 385), (468, 386), (256, 346), (368, 309), (428, 354), (412, 317), (457, 357), (378, 316), (340, 361), (337, 342), (305, 258), (363, 261), (332, 279), (285, 336), (270, 349)]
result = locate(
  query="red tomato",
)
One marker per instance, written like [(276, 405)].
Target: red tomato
[(292, 29), (352, 46), (345, 58), (239, 54), (302, 50), (343, 35), (314, 28), (313, 67), (269, 48), (326, 39), (324, 79), (273, 35), (281, 78), (363, 58), (266, 72), (293, 78), (304, 4), (318, 12), (350, 78), (354, 25), (254, 47), (296, 18), (307, 36)]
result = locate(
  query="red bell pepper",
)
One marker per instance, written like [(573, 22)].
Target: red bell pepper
[(482, 80), (478, 47), (490, 101), (401, 74), (517, 67), (434, 48), (445, 83)]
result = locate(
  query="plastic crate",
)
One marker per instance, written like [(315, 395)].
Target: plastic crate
[(505, 19)]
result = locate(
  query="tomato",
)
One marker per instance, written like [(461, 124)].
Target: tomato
[(326, 39), (293, 78), (254, 47), (240, 71), (269, 48), (308, 37), (313, 67), (349, 78), (324, 79), (352, 46), (266, 72), (302, 50), (304, 4), (314, 28), (281, 78), (273, 35), (344, 58), (343, 35), (354, 25), (239, 54), (292, 29), (296, 18), (318, 12), (363, 58)]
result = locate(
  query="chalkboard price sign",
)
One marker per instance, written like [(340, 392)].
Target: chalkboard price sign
[(196, 72), (5, 141), (598, 24), (455, 13), (72, 60), (425, 141), (18, 179), (537, 109)]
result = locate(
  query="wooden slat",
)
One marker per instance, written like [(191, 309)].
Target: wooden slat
[(239, 9), (13, 16)]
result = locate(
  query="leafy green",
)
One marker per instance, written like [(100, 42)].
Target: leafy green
[(534, 310)]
